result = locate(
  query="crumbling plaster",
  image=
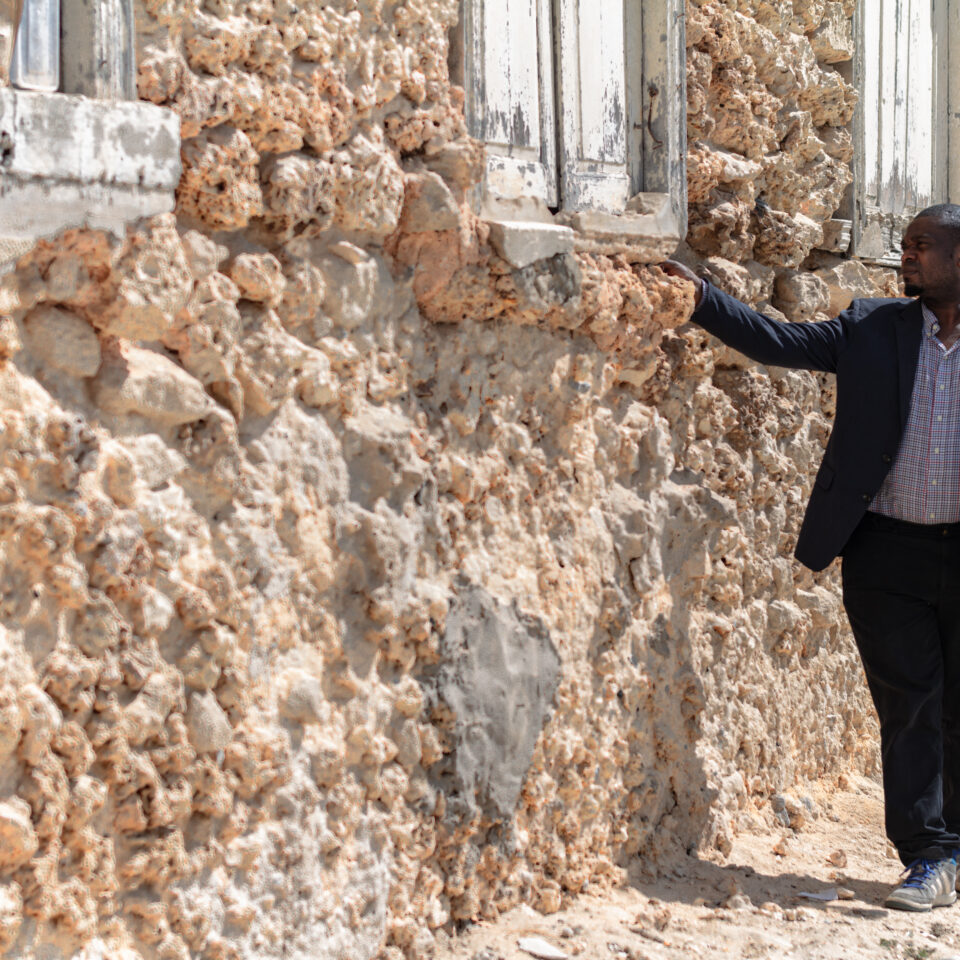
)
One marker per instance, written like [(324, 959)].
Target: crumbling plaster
[(292, 481)]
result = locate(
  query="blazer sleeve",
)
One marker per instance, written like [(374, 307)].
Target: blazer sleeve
[(803, 346)]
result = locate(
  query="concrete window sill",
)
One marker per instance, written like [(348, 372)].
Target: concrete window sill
[(647, 233), (69, 161)]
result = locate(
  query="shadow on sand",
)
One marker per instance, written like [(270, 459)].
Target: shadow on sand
[(694, 881)]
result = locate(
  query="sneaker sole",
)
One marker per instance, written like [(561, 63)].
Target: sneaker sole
[(944, 900)]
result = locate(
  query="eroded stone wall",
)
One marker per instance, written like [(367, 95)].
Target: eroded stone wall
[(355, 583)]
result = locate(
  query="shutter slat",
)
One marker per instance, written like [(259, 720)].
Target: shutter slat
[(36, 54), (919, 144), (593, 82), (496, 71), (524, 83), (509, 89), (613, 57), (870, 99), (888, 94), (897, 185), (589, 66), (602, 67), (100, 58), (947, 159)]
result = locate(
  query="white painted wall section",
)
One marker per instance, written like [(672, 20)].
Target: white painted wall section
[(68, 161)]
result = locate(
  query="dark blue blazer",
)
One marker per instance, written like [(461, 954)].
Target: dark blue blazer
[(873, 348)]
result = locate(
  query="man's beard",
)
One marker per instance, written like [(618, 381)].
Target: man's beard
[(912, 289)]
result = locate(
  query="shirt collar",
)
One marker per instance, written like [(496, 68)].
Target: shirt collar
[(930, 323)]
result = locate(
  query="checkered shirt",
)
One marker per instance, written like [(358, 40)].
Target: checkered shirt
[(923, 485)]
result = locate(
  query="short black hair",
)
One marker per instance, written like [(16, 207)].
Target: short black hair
[(947, 215)]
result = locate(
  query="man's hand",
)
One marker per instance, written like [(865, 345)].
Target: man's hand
[(673, 269)]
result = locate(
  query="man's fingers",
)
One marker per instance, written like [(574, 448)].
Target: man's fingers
[(674, 269)]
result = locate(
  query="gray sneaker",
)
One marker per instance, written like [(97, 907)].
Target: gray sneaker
[(928, 884)]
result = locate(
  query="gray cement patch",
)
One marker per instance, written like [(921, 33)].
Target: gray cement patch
[(499, 675)]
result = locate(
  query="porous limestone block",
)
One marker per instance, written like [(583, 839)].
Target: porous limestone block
[(301, 697), (155, 284), (155, 463), (207, 724), (259, 277), (145, 716), (836, 235), (64, 340), (832, 41), (11, 914), (41, 721), (357, 283), (18, 839), (846, 281), (800, 295), (428, 204), (137, 381)]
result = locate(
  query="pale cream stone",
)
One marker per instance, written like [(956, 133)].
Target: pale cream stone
[(18, 839), (207, 724), (64, 341), (137, 381)]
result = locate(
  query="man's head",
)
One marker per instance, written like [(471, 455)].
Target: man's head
[(930, 254)]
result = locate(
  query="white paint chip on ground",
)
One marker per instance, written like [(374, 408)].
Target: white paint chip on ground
[(540, 948), (825, 895)]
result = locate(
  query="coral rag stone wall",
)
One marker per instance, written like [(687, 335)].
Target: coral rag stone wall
[(355, 583)]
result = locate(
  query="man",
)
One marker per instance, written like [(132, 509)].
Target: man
[(887, 499)]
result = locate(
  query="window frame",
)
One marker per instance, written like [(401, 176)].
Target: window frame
[(661, 138), (655, 127)]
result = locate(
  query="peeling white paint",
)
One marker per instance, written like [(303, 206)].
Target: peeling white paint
[(901, 156), (610, 127), (508, 82)]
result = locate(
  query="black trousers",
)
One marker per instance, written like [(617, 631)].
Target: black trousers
[(901, 590)]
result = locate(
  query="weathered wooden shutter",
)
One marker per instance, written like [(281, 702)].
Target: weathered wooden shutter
[(593, 105), (507, 73), (101, 59), (901, 161), (36, 55)]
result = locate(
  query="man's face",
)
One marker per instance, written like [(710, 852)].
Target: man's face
[(929, 260)]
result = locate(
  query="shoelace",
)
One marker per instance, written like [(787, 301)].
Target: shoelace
[(919, 873)]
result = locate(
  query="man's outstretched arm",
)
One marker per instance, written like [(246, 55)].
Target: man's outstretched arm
[(804, 346)]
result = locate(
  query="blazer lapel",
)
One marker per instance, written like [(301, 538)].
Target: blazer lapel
[(909, 330)]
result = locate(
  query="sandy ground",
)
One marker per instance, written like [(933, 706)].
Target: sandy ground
[(747, 906)]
